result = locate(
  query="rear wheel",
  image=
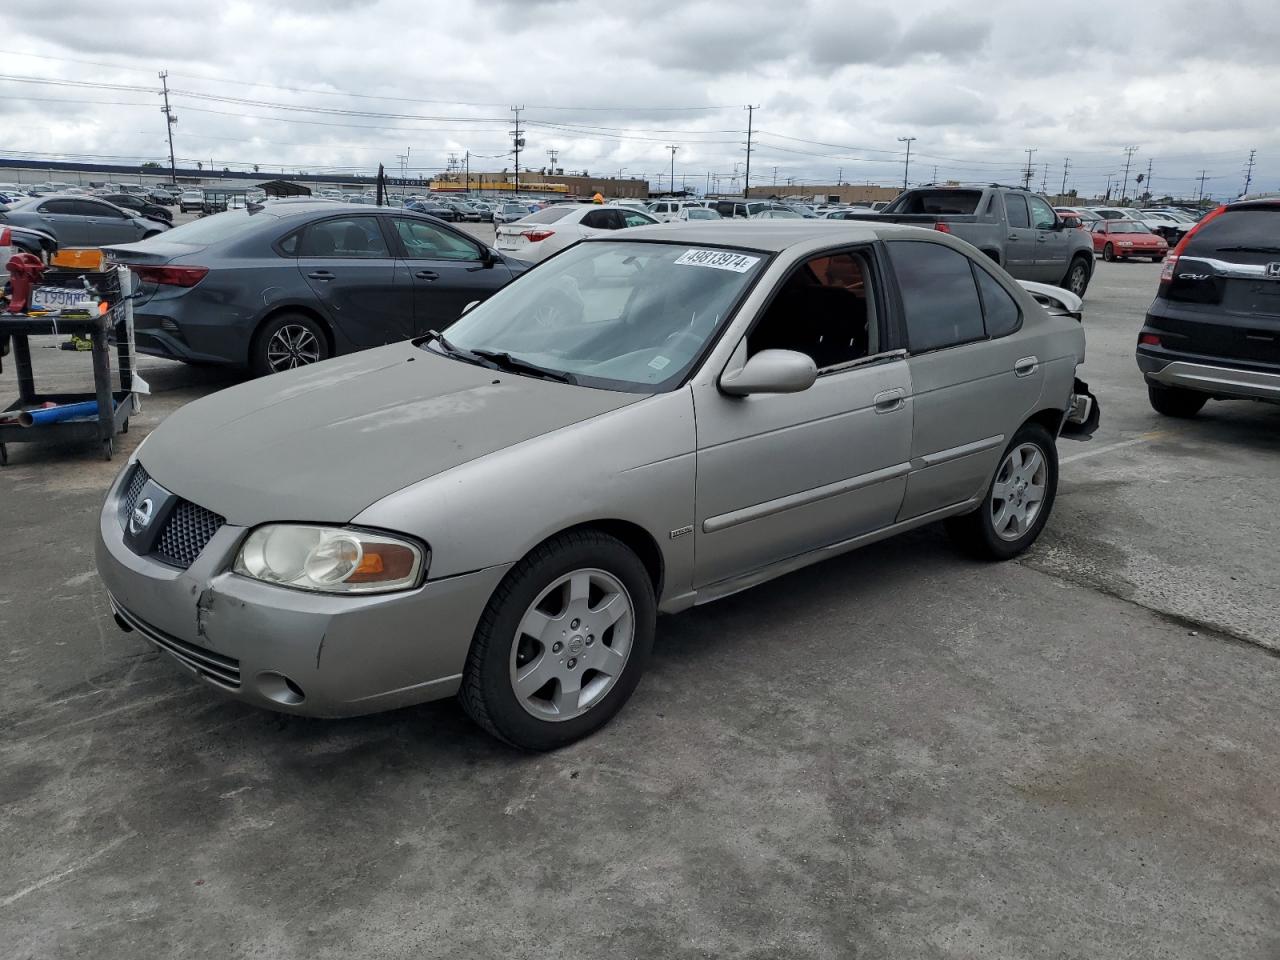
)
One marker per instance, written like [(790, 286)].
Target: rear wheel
[(1174, 401), (1077, 278), (1109, 253), (562, 643), (288, 341), (1018, 502)]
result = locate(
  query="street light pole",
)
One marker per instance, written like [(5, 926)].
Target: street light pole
[(906, 167), (673, 148)]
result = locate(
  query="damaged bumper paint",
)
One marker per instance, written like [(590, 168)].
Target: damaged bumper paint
[(290, 650)]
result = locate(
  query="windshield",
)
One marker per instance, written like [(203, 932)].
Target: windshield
[(1127, 227), (622, 315)]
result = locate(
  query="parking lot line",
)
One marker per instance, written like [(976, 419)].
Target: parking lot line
[(1096, 451)]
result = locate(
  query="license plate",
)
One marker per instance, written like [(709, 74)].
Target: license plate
[(57, 298)]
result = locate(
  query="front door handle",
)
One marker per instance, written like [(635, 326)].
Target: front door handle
[(1013, 236), (1026, 366), (887, 401), (427, 275), (320, 275)]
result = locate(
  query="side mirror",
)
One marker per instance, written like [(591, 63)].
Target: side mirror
[(771, 371), (1071, 223), (467, 308)]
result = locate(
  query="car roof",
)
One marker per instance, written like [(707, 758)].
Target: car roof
[(772, 236)]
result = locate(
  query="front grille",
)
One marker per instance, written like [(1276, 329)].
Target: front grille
[(136, 482), (222, 670), (187, 532)]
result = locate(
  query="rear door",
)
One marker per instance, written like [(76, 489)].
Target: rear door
[(1020, 245), (364, 290), (974, 371), (448, 271)]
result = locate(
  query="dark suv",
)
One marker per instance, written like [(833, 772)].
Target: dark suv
[(1213, 330)]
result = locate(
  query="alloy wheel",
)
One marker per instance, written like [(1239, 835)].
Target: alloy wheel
[(293, 345), (1018, 492), (572, 644), (1078, 279)]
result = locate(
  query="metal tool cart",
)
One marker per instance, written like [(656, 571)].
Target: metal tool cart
[(113, 406)]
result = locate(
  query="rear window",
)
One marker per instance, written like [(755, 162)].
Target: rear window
[(1243, 235), (935, 202), (549, 215), (221, 226)]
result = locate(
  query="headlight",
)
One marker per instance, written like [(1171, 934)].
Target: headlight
[(330, 559)]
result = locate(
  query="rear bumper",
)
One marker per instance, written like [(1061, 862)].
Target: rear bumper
[(1217, 381)]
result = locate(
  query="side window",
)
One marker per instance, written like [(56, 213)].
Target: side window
[(349, 237), (57, 206), (1016, 206), (1042, 217), (1100, 227), (425, 241), (289, 245), (823, 310), (939, 296), (600, 220), (1000, 310), (631, 218)]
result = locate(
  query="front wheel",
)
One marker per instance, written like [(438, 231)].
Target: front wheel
[(562, 643), (1018, 502), (1109, 253), (1077, 278), (1174, 401)]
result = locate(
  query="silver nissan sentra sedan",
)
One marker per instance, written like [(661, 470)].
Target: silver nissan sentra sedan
[(636, 426)]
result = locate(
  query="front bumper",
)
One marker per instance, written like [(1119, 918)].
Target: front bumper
[(340, 655), (1215, 380)]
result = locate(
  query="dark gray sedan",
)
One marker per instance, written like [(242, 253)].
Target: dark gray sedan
[(282, 285), (80, 221)]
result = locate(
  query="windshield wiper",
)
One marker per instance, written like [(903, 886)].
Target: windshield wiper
[(453, 350), (1248, 249), (505, 361)]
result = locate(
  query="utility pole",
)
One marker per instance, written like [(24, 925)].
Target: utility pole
[(746, 183), (1028, 173), (1128, 158), (708, 190), (840, 176), (906, 167), (1147, 188), (1200, 198), (1066, 165), (553, 156), (170, 120), (673, 148), (1044, 180), (467, 186), (1248, 172), (1107, 196), (775, 176), (515, 138), (935, 173)]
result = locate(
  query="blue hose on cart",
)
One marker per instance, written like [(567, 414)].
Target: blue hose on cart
[(66, 411)]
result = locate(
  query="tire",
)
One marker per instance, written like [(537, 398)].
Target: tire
[(572, 639), (993, 533), (1109, 253), (1077, 276), (1174, 401), (287, 341)]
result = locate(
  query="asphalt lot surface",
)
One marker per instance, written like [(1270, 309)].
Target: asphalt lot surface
[(899, 753)]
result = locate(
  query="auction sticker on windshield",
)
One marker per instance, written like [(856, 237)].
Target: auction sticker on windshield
[(718, 259)]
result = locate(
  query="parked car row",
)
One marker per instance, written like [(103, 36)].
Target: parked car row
[(81, 220)]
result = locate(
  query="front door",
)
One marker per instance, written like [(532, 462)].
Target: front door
[(975, 375), (59, 218), (784, 474), (365, 291), (1052, 244), (448, 271), (1020, 252)]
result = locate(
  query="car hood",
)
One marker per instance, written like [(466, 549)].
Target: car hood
[(323, 443)]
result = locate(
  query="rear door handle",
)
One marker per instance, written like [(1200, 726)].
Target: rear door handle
[(1026, 366), (320, 275), (887, 401), (427, 275)]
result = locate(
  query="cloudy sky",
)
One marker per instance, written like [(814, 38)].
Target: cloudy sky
[(345, 84)]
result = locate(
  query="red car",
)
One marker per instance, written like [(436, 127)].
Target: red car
[(1122, 239)]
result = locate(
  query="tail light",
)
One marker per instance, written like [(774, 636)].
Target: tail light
[(170, 276), (1171, 261), (6, 237), (1148, 340), (533, 236), (942, 227)]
